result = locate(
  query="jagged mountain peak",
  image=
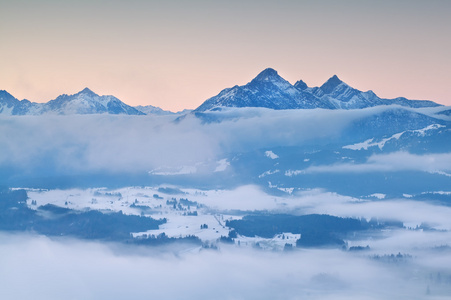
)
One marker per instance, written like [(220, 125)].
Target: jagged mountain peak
[(87, 91), (331, 84), (7, 99), (5, 95), (301, 85), (269, 79), (268, 74), (269, 90), (83, 102), (4, 92)]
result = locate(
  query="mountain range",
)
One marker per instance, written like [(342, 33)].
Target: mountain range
[(268, 90), (83, 102)]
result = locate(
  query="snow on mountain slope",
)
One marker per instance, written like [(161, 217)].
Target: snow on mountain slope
[(342, 96), (269, 90), (88, 102), (9, 105), (84, 102), (371, 143), (154, 110)]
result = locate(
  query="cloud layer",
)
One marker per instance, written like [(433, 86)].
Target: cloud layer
[(125, 144), (39, 268), (398, 161)]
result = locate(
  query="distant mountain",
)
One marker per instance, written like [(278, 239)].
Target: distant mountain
[(269, 90), (342, 96), (84, 102), (9, 105), (88, 102), (153, 110)]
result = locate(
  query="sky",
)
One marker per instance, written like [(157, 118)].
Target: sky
[(177, 54)]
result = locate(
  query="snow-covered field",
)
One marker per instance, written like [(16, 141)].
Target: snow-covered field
[(203, 213)]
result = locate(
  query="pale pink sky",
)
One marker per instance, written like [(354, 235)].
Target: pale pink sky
[(176, 54)]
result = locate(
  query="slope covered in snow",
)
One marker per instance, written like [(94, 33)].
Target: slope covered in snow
[(270, 90), (83, 102), (88, 102), (153, 110)]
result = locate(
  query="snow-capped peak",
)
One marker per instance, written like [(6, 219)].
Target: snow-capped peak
[(7, 98), (87, 91), (83, 102), (330, 84), (301, 85), (4, 93), (271, 77), (270, 90), (268, 74)]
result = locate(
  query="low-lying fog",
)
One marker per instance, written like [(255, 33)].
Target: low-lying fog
[(84, 143), (399, 264), (403, 263), (36, 267)]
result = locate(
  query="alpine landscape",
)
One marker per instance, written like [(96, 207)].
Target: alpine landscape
[(271, 189)]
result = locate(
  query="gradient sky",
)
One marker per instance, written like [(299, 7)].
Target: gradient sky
[(176, 54)]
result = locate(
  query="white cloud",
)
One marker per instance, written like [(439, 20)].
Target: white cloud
[(121, 144), (35, 267), (102, 142), (271, 155), (398, 161)]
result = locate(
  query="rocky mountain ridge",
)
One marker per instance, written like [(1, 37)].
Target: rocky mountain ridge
[(270, 90)]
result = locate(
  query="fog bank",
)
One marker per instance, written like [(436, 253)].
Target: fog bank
[(35, 267)]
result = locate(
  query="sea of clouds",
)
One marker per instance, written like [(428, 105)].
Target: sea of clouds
[(36, 267), (121, 144)]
